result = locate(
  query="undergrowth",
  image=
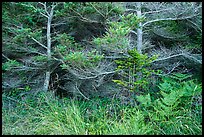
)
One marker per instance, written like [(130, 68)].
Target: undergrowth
[(176, 110)]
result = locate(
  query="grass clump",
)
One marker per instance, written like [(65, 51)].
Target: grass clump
[(47, 115), (175, 110)]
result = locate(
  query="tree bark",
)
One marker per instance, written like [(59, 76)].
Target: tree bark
[(47, 74), (139, 30)]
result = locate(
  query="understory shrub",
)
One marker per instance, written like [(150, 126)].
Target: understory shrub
[(135, 70)]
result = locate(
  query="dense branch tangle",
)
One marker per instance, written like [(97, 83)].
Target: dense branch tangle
[(52, 19)]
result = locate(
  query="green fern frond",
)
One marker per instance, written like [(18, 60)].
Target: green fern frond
[(145, 100), (180, 76)]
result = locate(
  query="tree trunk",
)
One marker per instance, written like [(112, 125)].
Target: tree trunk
[(47, 80), (47, 77), (139, 30)]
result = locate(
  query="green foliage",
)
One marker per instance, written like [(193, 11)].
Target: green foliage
[(173, 26), (69, 51), (81, 59), (175, 102), (21, 34), (40, 58), (27, 88), (180, 76), (132, 20), (22, 12), (97, 11), (115, 38), (145, 100), (72, 54), (10, 65), (105, 9), (184, 89), (37, 34), (20, 25), (43, 114), (135, 70), (196, 42), (176, 110), (67, 42), (16, 92)]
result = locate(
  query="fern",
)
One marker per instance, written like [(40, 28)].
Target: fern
[(180, 76), (165, 86), (176, 101), (171, 98), (145, 100)]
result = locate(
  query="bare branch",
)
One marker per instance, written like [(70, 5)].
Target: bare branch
[(182, 54), (177, 64), (161, 59), (44, 15), (90, 77), (85, 19), (132, 31), (23, 68), (165, 19), (97, 10), (57, 24), (45, 7), (133, 10), (80, 92), (54, 5), (165, 34), (39, 43), (195, 25), (156, 11), (39, 53), (5, 57), (115, 57), (193, 58), (11, 98)]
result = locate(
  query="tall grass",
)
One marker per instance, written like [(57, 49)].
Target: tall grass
[(47, 115)]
